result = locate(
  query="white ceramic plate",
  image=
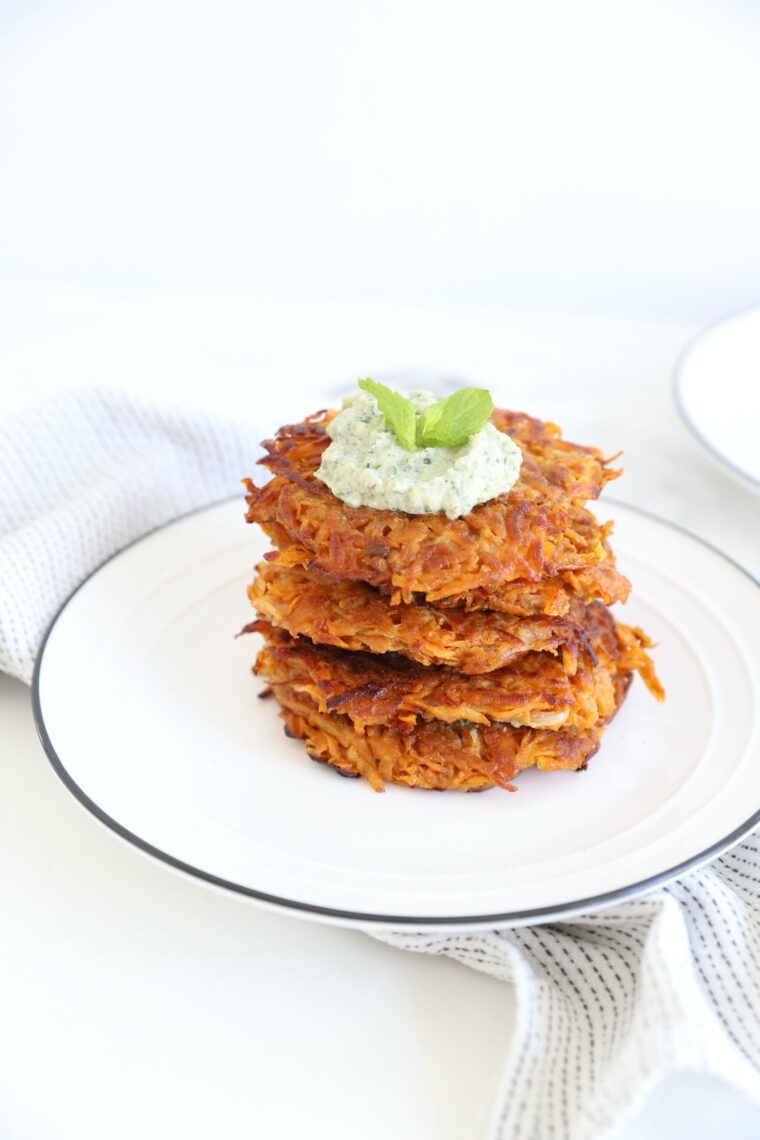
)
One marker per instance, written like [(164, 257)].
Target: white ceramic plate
[(717, 389), (148, 711)]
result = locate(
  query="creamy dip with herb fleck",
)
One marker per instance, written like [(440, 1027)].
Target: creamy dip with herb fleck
[(366, 466)]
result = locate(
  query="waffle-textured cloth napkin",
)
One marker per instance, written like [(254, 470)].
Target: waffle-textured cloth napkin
[(606, 1004)]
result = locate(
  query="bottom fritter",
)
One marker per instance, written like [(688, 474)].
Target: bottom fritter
[(434, 755)]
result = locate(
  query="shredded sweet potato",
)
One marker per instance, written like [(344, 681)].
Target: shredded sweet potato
[(430, 754), (536, 690), (552, 597), (354, 616), (440, 653), (538, 529)]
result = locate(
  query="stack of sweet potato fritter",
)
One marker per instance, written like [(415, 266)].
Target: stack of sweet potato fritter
[(435, 652)]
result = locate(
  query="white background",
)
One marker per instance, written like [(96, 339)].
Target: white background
[(595, 154), (227, 203)]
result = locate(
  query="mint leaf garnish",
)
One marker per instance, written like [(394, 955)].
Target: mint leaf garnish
[(399, 413), (451, 422)]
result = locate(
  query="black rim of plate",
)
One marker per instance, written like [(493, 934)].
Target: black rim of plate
[(518, 917), (726, 464)]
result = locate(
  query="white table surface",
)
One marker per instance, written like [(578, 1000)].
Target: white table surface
[(137, 1002)]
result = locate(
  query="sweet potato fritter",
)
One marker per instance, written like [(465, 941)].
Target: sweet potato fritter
[(463, 757), (354, 616), (538, 529), (378, 689), (443, 653), (552, 597), (535, 691)]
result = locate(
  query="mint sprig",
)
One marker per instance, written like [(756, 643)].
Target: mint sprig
[(448, 423), (399, 413), (451, 422)]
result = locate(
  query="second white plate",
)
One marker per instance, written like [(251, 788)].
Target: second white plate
[(717, 389), (147, 708)]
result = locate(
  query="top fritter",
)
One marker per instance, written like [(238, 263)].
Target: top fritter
[(538, 530)]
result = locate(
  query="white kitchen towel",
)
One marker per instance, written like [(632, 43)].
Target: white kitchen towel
[(606, 1003), (609, 1003), (83, 476)]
